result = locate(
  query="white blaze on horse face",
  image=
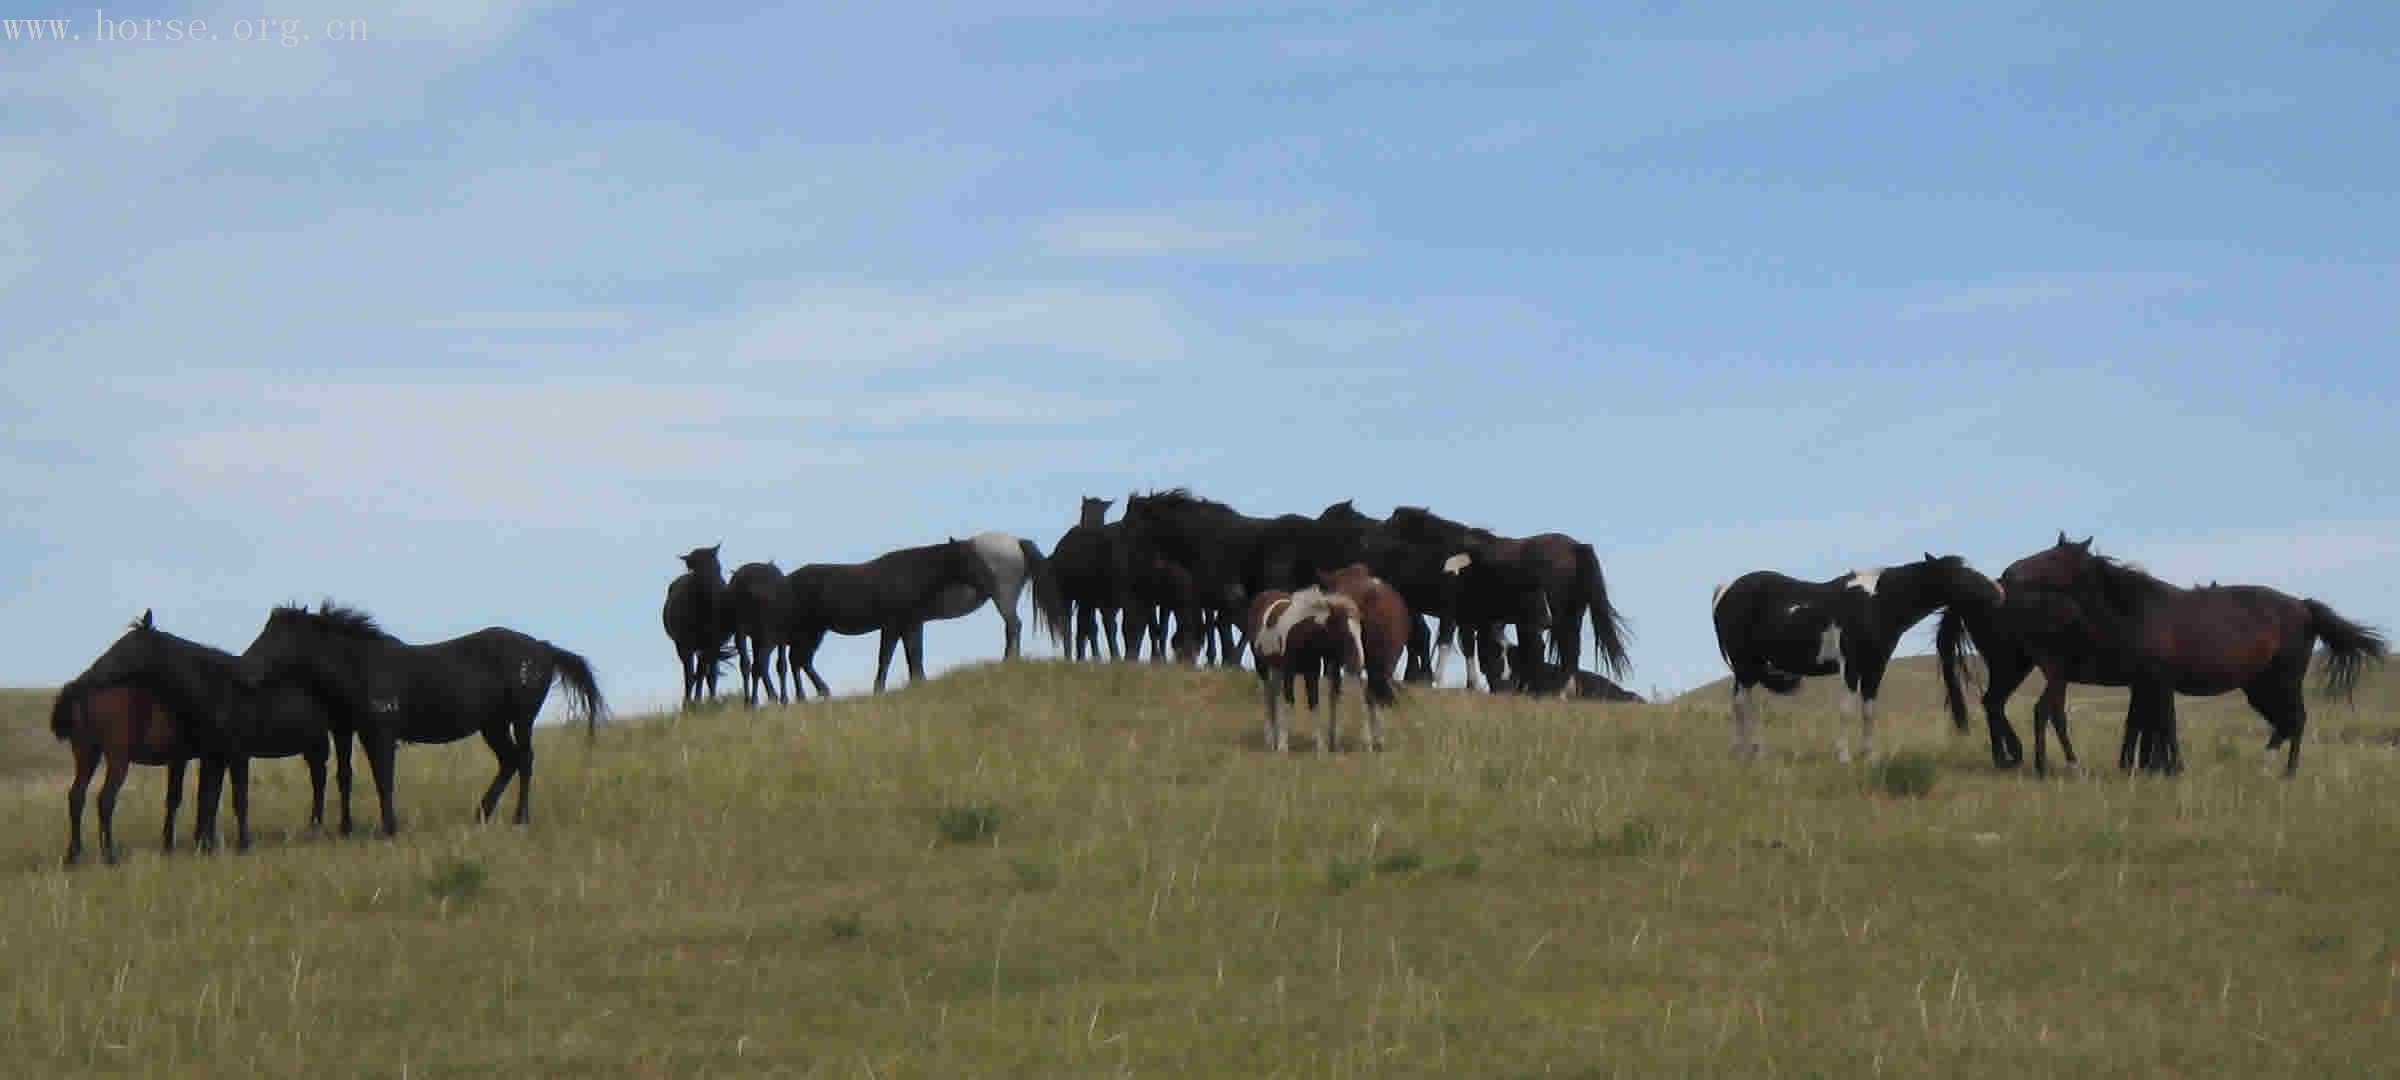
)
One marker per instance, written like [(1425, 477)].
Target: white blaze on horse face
[(1864, 580), (1456, 563)]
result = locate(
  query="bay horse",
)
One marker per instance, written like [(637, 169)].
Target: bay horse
[(760, 606), (699, 620), (157, 699), (491, 682), (1488, 580), (2201, 642), (893, 595), (1774, 630)]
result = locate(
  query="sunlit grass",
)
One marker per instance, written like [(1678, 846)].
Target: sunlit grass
[(1043, 868)]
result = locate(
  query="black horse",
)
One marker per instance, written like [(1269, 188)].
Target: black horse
[(157, 699), (1089, 563), (491, 682), (2024, 634), (2169, 640), (893, 594), (760, 601), (699, 620), (1218, 546), (1542, 585), (1774, 630)]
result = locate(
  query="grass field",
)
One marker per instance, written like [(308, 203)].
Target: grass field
[(1041, 868)]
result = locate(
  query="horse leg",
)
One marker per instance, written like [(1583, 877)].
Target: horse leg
[(525, 772), (741, 660), (884, 644), (211, 795), (1266, 687), (2002, 677), (341, 774), (1741, 709), (913, 642), (110, 783), (1333, 710), (315, 757), (497, 738), (683, 663), (783, 658), (2049, 711), (174, 801), (239, 766), (382, 748), (1012, 629), (87, 760)]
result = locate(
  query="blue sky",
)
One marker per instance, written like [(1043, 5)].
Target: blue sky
[(487, 318)]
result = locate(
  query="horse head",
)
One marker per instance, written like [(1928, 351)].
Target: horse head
[(2066, 566)]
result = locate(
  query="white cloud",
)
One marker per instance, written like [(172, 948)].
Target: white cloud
[(2017, 292)]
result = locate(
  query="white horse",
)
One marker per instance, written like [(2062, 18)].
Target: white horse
[(1010, 564)]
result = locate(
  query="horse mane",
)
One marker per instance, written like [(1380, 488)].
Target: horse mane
[(1182, 496), (341, 619)]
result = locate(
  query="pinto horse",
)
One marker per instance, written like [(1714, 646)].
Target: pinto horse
[(2203, 642), (157, 699), (1350, 623), (699, 620), (491, 682), (1775, 630)]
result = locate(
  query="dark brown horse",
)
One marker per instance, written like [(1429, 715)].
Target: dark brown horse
[(2171, 640), (160, 700)]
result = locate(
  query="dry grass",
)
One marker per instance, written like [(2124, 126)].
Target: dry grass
[(1514, 888)]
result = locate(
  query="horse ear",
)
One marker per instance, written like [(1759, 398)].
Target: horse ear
[(2085, 546), (147, 622), (1931, 557), (2062, 538)]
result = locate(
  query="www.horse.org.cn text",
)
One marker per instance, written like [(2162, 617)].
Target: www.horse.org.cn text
[(104, 28)]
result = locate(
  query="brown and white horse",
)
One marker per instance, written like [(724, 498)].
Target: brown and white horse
[(1350, 622)]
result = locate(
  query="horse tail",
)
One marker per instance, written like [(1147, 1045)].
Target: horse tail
[(1608, 624), (583, 692), (1050, 608), (2349, 648), (63, 711), (1952, 645)]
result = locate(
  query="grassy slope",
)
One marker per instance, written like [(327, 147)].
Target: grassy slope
[(1593, 888)]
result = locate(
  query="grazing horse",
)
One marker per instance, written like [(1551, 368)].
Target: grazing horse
[(157, 699), (1161, 589), (761, 612), (1411, 562), (2201, 642), (699, 620), (491, 682), (893, 595), (1774, 630), (1541, 583), (1089, 564)]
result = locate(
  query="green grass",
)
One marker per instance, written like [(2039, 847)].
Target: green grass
[(1513, 888)]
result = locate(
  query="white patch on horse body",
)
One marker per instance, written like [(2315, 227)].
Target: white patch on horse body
[(525, 672), (1457, 563), (1716, 596), (1795, 609), (1441, 659), (384, 705), (1864, 580), (1829, 647), (1311, 604)]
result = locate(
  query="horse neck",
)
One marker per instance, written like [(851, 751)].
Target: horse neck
[(1905, 594)]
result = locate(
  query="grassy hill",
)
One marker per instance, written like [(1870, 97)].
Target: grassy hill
[(1042, 868), (27, 752), (1913, 684)]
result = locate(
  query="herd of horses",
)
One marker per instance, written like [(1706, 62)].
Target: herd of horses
[(1332, 596)]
